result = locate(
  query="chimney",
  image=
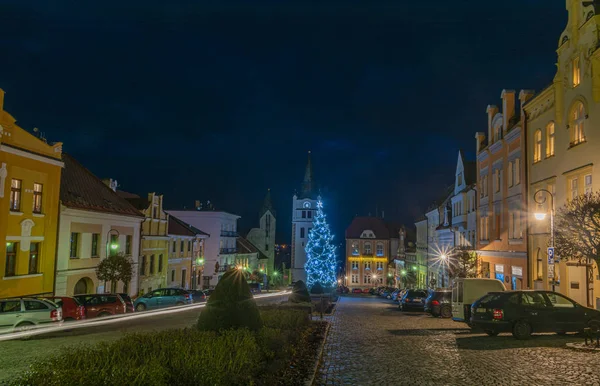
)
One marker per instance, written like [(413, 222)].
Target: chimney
[(111, 183), (508, 107), (525, 96), (480, 139), (491, 111)]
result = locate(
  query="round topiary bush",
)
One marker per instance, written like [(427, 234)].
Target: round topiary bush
[(317, 289), (230, 306), (299, 293)]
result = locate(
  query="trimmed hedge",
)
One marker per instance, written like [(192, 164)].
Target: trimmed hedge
[(299, 293)]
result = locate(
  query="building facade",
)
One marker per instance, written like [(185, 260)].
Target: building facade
[(186, 255), (263, 237), (421, 251), (220, 248), (440, 240), (30, 171), (304, 207), (94, 223), (369, 252), (564, 150), (502, 192), (464, 204)]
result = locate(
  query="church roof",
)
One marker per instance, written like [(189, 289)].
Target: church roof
[(308, 188), (81, 189), (267, 205)]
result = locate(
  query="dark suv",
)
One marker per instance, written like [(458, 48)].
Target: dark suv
[(439, 303), (413, 300), (524, 312)]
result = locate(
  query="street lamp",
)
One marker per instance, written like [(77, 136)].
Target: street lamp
[(540, 215), (374, 279), (444, 258), (109, 244)]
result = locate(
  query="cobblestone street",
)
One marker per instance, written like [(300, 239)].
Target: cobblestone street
[(371, 342)]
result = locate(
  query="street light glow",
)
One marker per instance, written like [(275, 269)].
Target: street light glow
[(114, 246), (540, 216), (444, 256)]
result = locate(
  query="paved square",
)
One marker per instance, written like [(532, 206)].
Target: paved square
[(371, 342)]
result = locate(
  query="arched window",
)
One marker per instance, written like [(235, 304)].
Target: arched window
[(537, 146), (576, 124), (550, 139), (368, 250), (379, 249)]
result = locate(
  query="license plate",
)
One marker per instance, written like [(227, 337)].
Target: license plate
[(481, 310), (416, 299)]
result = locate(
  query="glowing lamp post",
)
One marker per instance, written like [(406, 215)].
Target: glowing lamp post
[(540, 215), (374, 280), (444, 258)]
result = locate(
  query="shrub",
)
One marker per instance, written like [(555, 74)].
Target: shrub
[(231, 305), (317, 288), (285, 319), (299, 293)]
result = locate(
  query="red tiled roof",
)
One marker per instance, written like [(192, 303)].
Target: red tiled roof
[(181, 228), (81, 189)]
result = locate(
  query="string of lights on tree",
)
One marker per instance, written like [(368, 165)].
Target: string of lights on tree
[(320, 252)]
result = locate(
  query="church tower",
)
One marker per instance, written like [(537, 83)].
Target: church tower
[(304, 206), (263, 237)]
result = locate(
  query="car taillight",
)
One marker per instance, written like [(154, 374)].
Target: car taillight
[(54, 315), (435, 303), (187, 296), (498, 314), (81, 311), (405, 300)]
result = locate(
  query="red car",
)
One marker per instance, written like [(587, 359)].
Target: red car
[(99, 305), (356, 291), (72, 309)]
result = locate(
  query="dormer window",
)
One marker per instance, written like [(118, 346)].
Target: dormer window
[(576, 72)]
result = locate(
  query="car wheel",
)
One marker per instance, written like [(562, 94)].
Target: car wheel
[(24, 327), (446, 312), (140, 307), (561, 333), (594, 325), (103, 314), (522, 330), (491, 332)]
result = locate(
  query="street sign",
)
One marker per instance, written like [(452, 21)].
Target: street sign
[(550, 255), (551, 271)]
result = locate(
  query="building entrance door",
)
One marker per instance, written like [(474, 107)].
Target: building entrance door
[(576, 284)]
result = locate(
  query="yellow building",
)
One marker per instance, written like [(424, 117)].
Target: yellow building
[(186, 256), (30, 170), (154, 250), (563, 154)]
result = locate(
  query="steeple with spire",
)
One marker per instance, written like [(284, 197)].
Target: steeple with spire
[(307, 184), (267, 205)]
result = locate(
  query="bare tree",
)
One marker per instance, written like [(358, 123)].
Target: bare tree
[(577, 229), (463, 263), (115, 268)]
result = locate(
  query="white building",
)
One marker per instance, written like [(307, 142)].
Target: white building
[(304, 207), (440, 239), (220, 248), (464, 207), (94, 222)]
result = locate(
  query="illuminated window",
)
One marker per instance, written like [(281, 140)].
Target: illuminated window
[(74, 246), (588, 184), (34, 258), (497, 180), (11, 259), (355, 265), (15, 195), (354, 279), (379, 249), (379, 266), (537, 146), (95, 239), (368, 250), (576, 124), (37, 198), (550, 139), (484, 225), (573, 193), (355, 251), (367, 265), (576, 72), (517, 167)]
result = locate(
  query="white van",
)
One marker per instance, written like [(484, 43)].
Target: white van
[(466, 291)]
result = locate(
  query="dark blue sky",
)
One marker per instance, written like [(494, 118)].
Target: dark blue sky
[(221, 100)]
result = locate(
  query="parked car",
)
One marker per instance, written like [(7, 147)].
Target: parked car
[(524, 312), (413, 300), (72, 308), (198, 296), (357, 291), (466, 291), (254, 288), (128, 302), (101, 305), (366, 290), (25, 313), (439, 303), (163, 297)]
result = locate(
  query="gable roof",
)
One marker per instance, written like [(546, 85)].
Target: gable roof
[(140, 203), (81, 189), (376, 224), (244, 247), (181, 228)]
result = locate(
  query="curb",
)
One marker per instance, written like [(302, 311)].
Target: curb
[(315, 372), (579, 347)]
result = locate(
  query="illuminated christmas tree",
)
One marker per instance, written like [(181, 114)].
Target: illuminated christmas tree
[(320, 253)]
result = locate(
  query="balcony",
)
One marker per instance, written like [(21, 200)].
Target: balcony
[(229, 234), (227, 251)]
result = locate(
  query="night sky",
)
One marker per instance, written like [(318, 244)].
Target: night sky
[(200, 100)]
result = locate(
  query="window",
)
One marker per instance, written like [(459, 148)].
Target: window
[(37, 198), (10, 306), (11, 259), (34, 258), (309, 214), (588, 184), (379, 249), (576, 124), (355, 249), (533, 299), (355, 265), (15, 195), (155, 212), (511, 174), (160, 263), (128, 245), (497, 180), (174, 249), (301, 233), (173, 275), (268, 225), (181, 246), (152, 265), (368, 250), (354, 279), (303, 214), (367, 265), (379, 266), (189, 246), (94, 251), (550, 139), (34, 305), (576, 72), (573, 194), (484, 225), (143, 266), (559, 301), (517, 176), (73, 250), (183, 282), (367, 279), (537, 146)]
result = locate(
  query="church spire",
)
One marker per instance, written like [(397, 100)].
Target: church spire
[(307, 184), (267, 205)]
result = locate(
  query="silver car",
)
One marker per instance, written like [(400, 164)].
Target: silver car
[(22, 314)]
